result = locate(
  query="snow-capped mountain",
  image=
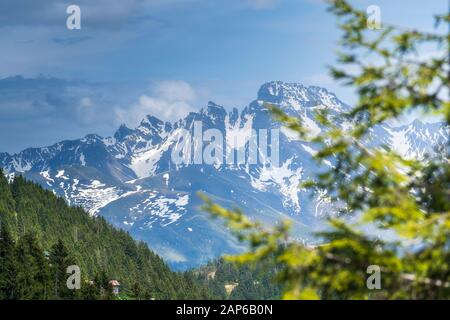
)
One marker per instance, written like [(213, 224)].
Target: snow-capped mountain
[(132, 180)]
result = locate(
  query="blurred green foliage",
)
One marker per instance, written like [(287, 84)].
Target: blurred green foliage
[(393, 75)]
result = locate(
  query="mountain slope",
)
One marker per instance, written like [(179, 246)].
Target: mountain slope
[(132, 180), (96, 246)]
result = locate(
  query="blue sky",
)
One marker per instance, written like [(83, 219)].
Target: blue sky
[(133, 57)]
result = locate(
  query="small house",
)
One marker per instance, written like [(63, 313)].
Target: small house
[(115, 285)]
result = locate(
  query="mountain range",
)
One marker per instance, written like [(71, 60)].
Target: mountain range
[(132, 181)]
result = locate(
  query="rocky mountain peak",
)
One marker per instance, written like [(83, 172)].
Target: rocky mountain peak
[(297, 96)]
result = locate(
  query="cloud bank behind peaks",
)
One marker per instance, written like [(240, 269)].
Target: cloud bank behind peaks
[(169, 101)]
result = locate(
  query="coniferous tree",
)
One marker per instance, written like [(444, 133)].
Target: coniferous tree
[(48, 235), (59, 261), (88, 291), (6, 200), (8, 265), (137, 292), (33, 277)]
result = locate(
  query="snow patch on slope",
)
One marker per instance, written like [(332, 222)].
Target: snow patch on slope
[(283, 178)]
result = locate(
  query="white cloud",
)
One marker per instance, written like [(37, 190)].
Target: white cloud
[(175, 91), (261, 4), (86, 102), (169, 101)]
